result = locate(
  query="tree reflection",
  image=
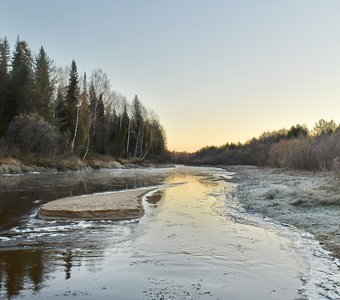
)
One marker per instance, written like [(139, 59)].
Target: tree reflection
[(21, 267), (67, 257)]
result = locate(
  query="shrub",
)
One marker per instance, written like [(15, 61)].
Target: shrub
[(30, 133), (293, 154)]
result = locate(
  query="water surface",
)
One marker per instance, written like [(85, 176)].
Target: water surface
[(187, 246)]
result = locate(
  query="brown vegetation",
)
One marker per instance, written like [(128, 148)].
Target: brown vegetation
[(296, 148)]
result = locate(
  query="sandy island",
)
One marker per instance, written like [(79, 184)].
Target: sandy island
[(121, 205)]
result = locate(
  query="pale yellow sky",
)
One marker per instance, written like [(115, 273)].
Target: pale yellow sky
[(214, 71)]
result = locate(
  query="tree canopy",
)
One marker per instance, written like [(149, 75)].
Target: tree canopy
[(80, 117)]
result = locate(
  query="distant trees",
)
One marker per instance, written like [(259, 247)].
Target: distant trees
[(324, 127), (67, 112), (297, 131), (296, 148)]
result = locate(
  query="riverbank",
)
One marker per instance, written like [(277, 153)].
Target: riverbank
[(306, 200), (32, 164)]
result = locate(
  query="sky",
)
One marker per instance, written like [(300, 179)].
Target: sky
[(214, 71)]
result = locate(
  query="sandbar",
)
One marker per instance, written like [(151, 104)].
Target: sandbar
[(120, 205)]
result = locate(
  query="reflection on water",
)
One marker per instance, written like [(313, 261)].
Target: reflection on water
[(185, 247), (20, 194), (16, 268)]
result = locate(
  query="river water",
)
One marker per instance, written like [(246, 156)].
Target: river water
[(188, 245)]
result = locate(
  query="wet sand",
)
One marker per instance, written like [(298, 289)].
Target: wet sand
[(122, 205)]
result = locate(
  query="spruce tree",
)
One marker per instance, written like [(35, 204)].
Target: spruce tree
[(72, 98), (100, 138), (4, 83), (123, 133), (137, 125), (61, 120), (21, 85), (85, 120), (43, 85)]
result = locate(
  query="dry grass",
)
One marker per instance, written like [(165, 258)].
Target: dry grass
[(33, 163), (10, 165), (102, 161)]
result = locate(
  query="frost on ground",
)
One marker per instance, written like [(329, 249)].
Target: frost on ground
[(307, 200)]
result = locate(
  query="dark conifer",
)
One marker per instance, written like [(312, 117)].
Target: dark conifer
[(4, 83), (21, 85), (43, 85), (72, 98)]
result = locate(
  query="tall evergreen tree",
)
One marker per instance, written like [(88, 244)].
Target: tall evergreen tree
[(4, 55), (4, 83), (61, 120), (93, 107), (123, 133), (85, 120), (43, 85), (72, 98), (100, 138), (21, 85), (137, 125)]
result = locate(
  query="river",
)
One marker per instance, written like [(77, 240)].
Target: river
[(188, 245)]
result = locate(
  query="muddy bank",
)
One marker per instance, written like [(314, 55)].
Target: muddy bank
[(122, 205), (307, 200)]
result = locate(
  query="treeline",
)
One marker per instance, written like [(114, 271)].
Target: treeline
[(45, 110), (296, 148)]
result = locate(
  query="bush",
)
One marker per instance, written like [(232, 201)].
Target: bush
[(295, 154), (30, 133), (313, 153)]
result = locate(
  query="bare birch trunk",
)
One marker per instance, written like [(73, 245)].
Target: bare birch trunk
[(141, 144), (75, 129), (128, 140), (88, 144), (148, 149)]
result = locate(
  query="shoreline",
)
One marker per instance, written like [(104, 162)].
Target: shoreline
[(11, 166), (305, 200)]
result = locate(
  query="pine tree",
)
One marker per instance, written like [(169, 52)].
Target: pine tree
[(136, 125), (21, 83), (72, 98), (85, 120), (100, 138), (43, 85), (4, 83), (93, 106), (122, 144), (61, 120)]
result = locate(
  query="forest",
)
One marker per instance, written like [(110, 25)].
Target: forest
[(51, 111), (295, 148), (48, 112)]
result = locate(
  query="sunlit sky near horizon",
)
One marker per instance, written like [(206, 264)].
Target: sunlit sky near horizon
[(214, 71)]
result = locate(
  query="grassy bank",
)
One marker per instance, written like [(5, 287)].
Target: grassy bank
[(29, 164)]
